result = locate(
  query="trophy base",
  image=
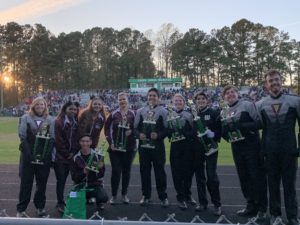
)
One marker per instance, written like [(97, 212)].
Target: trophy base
[(120, 149), (177, 139), (93, 169), (211, 151), (236, 139), (148, 146), (37, 162)]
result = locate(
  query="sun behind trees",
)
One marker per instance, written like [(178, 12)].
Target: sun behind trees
[(107, 58)]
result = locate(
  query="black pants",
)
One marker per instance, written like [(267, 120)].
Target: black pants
[(282, 165), (157, 158), (121, 164), (61, 172), (252, 176), (206, 176), (99, 193), (27, 173), (180, 159)]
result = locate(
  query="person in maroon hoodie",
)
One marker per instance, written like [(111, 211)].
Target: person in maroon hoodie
[(80, 174), (66, 144), (91, 120), (120, 161)]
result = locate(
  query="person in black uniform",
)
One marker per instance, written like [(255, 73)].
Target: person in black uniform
[(279, 113), (211, 119), (247, 153), (181, 155), (152, 157)]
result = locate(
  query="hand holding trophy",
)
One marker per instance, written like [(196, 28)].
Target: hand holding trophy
[(122, 134), (229, 121), (41, 145), (96, 159), (174, 124), (205, 135), (149, 125)]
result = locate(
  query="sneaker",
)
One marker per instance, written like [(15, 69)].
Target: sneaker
[(201, 208), (41, 213), (260, 217), (182, 205), (100, 207), (246, 212), (165, 203), (217, 211), (125, 199), (113, 200), (276, 220), (91, 201), (22, 214), (144, 201), (293, 222), (191, 201), (60, 207)]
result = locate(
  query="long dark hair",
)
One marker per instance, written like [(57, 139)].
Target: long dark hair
[(63, 110)]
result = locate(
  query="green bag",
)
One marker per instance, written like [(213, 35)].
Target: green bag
[(76, 202)]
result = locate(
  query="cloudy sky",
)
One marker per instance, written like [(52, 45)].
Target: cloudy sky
[(78, 15)]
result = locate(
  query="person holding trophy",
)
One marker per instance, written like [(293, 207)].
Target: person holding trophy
[(88, 167), (279, 113), (244, 119), (66, 144), (118, 131), (36, 132), (91, 120), (180, 130), (207, 126), (150, 126)]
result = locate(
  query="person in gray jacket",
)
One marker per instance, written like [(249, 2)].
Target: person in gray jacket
[(35, 122), (156, 156), (279, 113)]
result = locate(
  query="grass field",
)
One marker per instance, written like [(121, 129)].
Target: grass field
[(9, 142)]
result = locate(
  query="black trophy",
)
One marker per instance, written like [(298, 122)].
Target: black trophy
[(41, 144), (149, 125), (228, 119), (175, 125), (121, 139), (208, 143)]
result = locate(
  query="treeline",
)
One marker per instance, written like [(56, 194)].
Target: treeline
[(106, 58)]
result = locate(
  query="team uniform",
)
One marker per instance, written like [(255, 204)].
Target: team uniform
[(153, 157), (207, 164), (248, 157), (181, 157), (120, 161), (278, 116), (29, 127)]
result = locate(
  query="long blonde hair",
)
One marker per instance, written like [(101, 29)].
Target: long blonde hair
[(34, 103)]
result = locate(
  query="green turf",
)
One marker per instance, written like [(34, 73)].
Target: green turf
[(9, 142)]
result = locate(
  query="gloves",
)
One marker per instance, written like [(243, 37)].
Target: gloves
[(210, 134)]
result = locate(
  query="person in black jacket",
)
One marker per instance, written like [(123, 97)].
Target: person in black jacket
[(156, 156), (207, 163), (80, 174), (31, 125), (279, 113), (181, 155), (247, 153)]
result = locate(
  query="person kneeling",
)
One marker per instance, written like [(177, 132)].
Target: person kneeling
[(81, 171)]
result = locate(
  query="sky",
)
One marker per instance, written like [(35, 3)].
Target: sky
[(78, 15)]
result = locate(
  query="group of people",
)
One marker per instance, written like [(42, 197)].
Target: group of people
[(261, 162)]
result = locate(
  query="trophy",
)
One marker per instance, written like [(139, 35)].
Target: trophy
[(149, 125), (41, 145), (227, 118), (96, 159), (175, 125), (121, 140), (208, 143)]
